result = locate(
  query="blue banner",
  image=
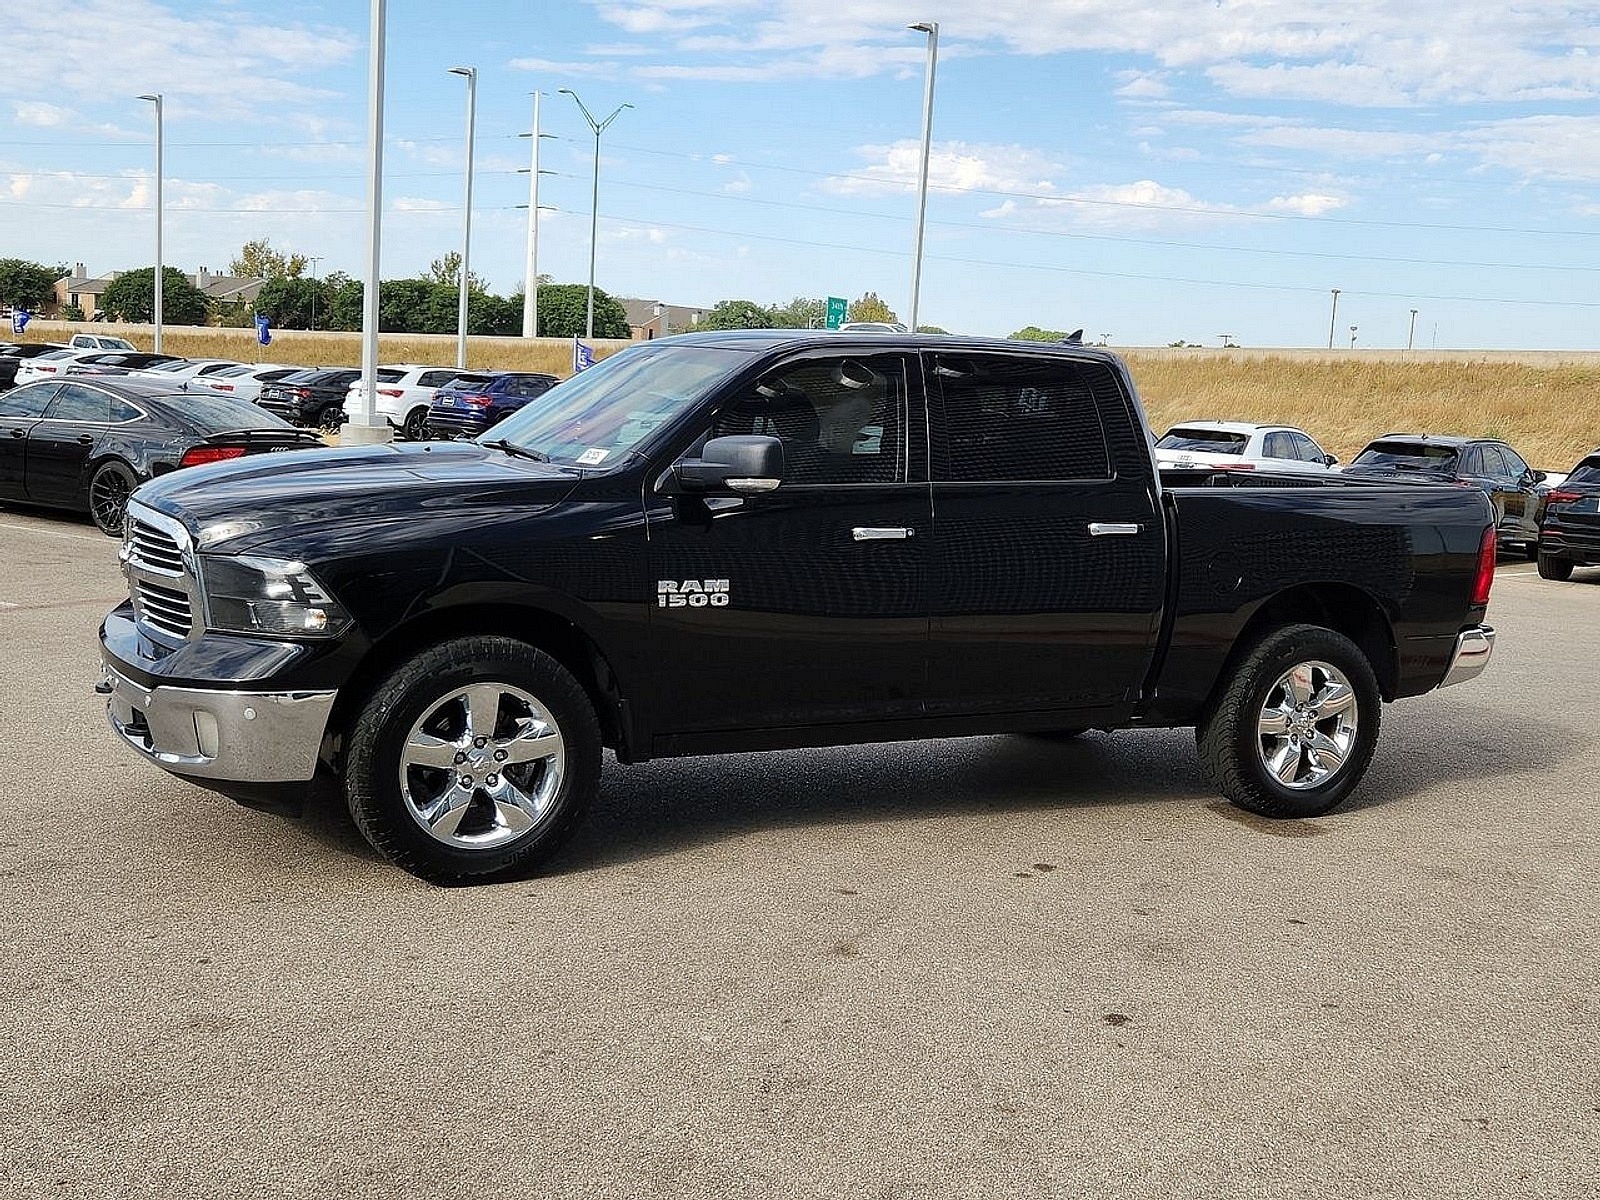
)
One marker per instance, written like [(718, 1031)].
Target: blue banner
[(582, 356), (263, 325), (20, 319)]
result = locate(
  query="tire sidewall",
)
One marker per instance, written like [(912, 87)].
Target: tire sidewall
[(372, 785), (116, 466)]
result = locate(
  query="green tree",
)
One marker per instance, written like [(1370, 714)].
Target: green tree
[(25, 284), (803, 312), (564, 306), (1032, 333), (131, 296), (736, 314), (870, 308), (344, 305), (295, 303), (73, 312), (258, 260), (931, 329), (447, 270)]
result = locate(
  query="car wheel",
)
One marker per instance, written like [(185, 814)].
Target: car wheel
[(1551, 567), (331, 416), (475, 759), (109, 488), (1294, 728), (415, 428)]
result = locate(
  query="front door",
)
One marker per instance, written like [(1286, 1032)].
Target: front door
[(20, 411), (806, 605), (60, 444)]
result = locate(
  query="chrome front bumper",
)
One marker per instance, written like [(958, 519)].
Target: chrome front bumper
[(252, 737), (1473, 649)]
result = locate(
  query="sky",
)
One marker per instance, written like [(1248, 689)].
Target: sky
[(1172, 171)]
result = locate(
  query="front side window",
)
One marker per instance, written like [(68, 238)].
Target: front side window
[(839, 418), (28, 401), (1021, 419)]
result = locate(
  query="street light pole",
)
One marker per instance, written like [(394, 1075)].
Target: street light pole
[(1411, 334), (931, 28), (368, 428), (160, 265), (599, 127), (314, 259), (470, 74), (530, 293), (1333, 317)]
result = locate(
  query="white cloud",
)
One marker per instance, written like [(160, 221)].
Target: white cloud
[(591, 70), (42, 115), (1310, 204), (952, 166)]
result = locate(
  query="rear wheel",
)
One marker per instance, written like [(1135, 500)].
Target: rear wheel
[(1551, 567), (415, 428), (331, 416), (109, 488), (1294, 728), (475, 759)]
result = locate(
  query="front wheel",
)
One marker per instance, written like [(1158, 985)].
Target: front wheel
[(1295, 726), (415, 428), (1551, 567), (109, 488), (475, 759), (330, 417)]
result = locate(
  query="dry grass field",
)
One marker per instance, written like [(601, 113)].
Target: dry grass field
[(1546, 405)]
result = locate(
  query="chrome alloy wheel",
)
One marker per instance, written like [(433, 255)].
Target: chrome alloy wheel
[(1307, 726), (482, 766)]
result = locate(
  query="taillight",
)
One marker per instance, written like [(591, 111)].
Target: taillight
[(395, 392), (196, 455), (303, 393), (1484, 579), (479, 401), (223, 387), (48, 370), (1562, 496)]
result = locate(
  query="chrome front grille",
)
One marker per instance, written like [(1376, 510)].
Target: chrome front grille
[(166, 609), (153, 548)]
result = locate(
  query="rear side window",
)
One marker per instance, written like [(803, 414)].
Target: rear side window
[(1020, 419), (1206, 441)]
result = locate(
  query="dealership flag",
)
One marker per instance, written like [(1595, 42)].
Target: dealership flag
[(582, 356), (20, 319), (263, 324)]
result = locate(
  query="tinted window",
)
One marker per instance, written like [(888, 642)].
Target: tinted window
[(27, 401), (1304, 448), (1279, 445), (1020, 419), (530, 387), (385, 374), (1514, 463), (1588, 471), (121, 410), (435, 379), (839, 418), (1206, 441), (74, 402), (217, 413), (334, 377), (1407, 456), (1474, 462)]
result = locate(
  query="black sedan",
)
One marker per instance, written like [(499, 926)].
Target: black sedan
[(86, 443), (313, 397), (1569, 529), (470, 404), (1486, 463)]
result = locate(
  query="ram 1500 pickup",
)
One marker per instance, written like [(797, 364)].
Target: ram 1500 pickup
[(765, 539)]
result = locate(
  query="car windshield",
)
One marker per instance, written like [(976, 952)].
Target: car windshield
[(601, 414), (1408, 456), (217, 413), (173, 367), (1206, 441)]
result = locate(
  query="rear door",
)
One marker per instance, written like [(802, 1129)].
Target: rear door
[(1049, 554)]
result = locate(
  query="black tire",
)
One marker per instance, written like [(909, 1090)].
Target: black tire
[(330, 416), (1551, 567), (1531, 549), (423, 698), (109, 487), (1234, 748), (415, 428)]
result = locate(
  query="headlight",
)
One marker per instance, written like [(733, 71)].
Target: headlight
[(267, 595)]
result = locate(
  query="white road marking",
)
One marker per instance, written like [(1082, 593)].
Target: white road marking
[(56, 533)]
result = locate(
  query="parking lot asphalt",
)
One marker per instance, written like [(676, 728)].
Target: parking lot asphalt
[(979, 967)]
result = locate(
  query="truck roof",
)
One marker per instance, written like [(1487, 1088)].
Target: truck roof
[(761, 340)]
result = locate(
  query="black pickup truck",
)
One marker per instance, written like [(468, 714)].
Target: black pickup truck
[(766, 539)]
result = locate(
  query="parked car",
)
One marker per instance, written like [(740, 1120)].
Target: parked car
[(1241, 446), (115, 362), (464, 409), (1485, 463), (85, 444), (313, 398), (244, 382), (99, 341), (45, 366), (14, 354), (1569, 526), (736, 541), (404, 393), (182, 370)]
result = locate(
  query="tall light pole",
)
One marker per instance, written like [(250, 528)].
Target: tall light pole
[(599, 127), (1411, 334), (530, 293), (1333, 317), (367, 428), (160, 265), (314, 260), (931, 28), (470, 74)]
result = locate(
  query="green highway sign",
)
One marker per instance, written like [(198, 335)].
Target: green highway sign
[(836, 309)]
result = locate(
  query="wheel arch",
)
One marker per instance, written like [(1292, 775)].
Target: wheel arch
[(1341, 607), (557, 636)]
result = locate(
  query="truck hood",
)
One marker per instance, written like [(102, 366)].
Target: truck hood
[(238, 505)]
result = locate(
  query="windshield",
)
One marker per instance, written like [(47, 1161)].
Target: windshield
[(601, 414), (1407, 456), (172, 367), (1206, 441)]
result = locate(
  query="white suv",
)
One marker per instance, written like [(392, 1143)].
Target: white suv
[(404, 393), (1241, 446)]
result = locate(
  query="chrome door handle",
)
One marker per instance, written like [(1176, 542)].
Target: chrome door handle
[(868, 533), (1107, 528)]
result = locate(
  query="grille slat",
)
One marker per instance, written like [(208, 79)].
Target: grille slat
[(152, 548), (163, 608)]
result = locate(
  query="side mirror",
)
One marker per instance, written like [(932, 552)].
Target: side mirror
[(1537, 477), (1330, 460), (745, 464)]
